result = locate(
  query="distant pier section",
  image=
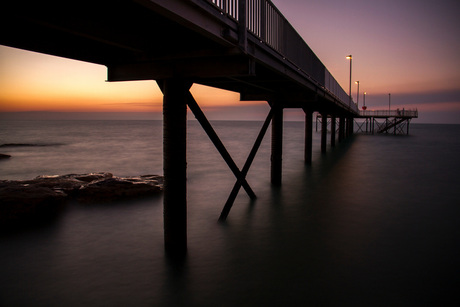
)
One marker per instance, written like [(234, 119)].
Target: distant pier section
[(379, 121)]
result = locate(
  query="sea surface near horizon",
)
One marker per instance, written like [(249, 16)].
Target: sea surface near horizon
[(374, 222)]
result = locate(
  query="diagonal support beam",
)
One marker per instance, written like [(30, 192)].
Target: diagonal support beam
[(246, 167), (199, 115)]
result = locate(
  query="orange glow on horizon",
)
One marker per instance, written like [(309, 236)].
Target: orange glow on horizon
[(32, 81), (36, 82)]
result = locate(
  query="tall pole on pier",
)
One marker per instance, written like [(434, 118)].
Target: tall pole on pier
[(349, 57), (357, 94)]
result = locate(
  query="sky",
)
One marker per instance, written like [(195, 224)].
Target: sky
[(409, 48)]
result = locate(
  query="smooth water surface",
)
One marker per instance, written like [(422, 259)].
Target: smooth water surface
[(374, 222)]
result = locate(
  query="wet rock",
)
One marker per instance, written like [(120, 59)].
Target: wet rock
[(26, 201), (117, 188), (70, 183), (92, 177)]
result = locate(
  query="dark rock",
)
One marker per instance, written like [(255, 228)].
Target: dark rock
[(3, 156), (26, 201), (92, 177), (22, 204), (116, 188)]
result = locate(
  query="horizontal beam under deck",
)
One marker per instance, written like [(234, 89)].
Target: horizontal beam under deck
[(208, 67)]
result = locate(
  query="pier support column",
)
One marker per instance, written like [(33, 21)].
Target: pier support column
[(277, 145), (333, 131), (308, 136), (341, 128), (347, 127), (175, 164), (323, 132)]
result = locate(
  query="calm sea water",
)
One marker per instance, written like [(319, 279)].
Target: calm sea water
[(374, 222)]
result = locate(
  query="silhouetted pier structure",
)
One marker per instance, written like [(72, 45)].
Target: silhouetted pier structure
[(246, 46), (377, 121), (381, 121)]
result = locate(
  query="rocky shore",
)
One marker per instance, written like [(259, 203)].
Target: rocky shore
[(24, 202)]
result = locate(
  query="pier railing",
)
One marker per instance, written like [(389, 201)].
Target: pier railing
[(389, 113), (269, 26)]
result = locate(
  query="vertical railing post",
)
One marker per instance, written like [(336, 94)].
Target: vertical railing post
[(175, 165), (263, 20), (242, 25)]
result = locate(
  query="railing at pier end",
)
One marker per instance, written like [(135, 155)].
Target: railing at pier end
[(389, 113)]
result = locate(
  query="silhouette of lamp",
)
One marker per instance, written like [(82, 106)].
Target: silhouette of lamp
[(357, 98), (349, 57)]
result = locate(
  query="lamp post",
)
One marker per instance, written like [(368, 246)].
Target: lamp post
[(364, 102), (349, 57), (357, 95)]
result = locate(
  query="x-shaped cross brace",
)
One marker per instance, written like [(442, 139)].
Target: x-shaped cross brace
[(240, 175)]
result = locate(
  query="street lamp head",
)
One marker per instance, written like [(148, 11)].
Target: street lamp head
[(349, 57), (356, 82)]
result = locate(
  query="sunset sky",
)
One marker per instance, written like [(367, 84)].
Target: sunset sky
[(409, 48)]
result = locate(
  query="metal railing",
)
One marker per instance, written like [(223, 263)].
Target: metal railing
[(229, 7), (390, 113), (265, 21)]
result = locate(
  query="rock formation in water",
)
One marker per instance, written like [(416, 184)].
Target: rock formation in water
[(24, 201), (3, 156)]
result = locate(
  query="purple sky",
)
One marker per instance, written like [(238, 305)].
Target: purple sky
[(409, 48)]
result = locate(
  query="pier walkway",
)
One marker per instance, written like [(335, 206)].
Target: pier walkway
[(246, 46)]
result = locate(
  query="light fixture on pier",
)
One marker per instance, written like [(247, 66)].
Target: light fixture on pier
[(357, 98), (364, 102), (349, 57)]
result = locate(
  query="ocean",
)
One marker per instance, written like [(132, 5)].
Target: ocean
[(374, 222)]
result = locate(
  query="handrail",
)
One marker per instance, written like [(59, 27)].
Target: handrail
[(390, 113), (267, 23)]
